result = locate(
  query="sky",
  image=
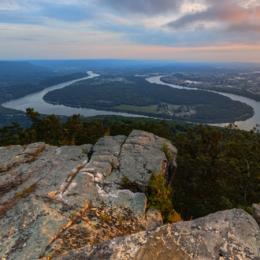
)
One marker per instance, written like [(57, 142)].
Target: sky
[(179, 30)]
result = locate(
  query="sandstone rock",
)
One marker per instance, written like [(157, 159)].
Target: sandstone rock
[(256, 212), (28, 228), (136, 157), (231, 234), (110, 145), (28, 218), (136, 202), (14, 155), (154, 219), (54, 199), (142, 156)]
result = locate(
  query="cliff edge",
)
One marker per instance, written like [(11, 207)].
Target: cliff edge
[(89, 202)]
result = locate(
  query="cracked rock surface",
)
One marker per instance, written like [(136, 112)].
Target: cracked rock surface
[(230, 234), (72, 202), (56, 199)]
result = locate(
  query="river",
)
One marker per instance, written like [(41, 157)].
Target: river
[(37, 102), (244, 125)]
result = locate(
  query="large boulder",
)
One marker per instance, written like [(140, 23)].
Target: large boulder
[(142, 155), (115, 159), (230, 234)]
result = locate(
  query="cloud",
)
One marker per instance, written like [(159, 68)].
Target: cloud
[(226, 15), (94, 24), (222, 22)]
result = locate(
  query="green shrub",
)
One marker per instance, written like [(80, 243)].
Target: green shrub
[(159, 196), (167, 152)]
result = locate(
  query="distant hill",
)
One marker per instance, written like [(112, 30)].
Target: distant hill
[(20, 78), (14, 72)]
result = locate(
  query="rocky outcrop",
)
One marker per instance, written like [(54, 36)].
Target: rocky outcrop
[(88, 202), (55, 199), (141, 156), (154, 219), (231, 234)]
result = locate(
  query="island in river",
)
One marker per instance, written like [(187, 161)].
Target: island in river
[(130, 94), (24, 84)]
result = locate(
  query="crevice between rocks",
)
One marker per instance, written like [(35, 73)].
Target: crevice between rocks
[(119, 154)]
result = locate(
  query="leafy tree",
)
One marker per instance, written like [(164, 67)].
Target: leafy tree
[(11, 134), (217, 168)]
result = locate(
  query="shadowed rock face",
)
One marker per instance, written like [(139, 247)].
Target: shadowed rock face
[(256, 212), (55, 199)]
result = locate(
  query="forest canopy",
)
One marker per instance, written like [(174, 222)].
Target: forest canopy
[(218, 168)]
